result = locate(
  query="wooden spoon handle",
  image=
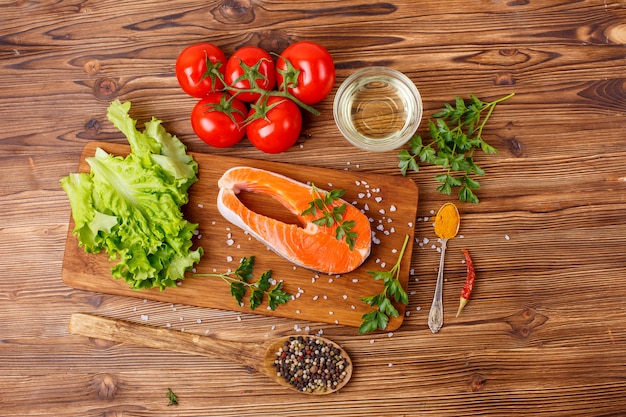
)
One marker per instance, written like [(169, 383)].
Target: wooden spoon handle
[(249, 354)]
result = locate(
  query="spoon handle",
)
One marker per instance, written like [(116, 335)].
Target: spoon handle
[(161, 338), (435, 317)]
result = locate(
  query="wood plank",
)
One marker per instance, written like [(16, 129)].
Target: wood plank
[(390, 203)]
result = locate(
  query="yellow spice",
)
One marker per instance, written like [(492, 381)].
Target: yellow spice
[(447, 221)]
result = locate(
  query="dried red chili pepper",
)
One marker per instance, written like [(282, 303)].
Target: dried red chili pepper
[(466, 292)]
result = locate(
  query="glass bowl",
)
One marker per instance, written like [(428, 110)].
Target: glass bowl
[(377, 109)]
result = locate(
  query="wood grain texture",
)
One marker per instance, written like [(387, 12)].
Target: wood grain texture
[(545, 331)]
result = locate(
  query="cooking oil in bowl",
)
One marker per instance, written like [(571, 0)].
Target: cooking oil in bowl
[(378, 109)]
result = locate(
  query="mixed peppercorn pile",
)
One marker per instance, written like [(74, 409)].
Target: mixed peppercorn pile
[(311, 364)]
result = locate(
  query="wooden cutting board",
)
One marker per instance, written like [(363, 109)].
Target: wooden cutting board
[(390, 202)]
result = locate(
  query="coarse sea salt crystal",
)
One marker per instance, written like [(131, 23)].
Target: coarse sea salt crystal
[(144, 317), (229, 258), (378, 199), (200, 205), (393, 208), (230, 242), (361, 195), (507, 237)]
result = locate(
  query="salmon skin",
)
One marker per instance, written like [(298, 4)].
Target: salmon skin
[(307, 245)]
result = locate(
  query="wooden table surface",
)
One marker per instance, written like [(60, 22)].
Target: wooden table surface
[(545, 331)]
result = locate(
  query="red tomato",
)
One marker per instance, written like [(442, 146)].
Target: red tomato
[(261, 69), (317, 71), (279, 129), (218, 119), (196, 66)]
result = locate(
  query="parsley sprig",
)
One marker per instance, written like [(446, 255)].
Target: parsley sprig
[(241, 280), (456, 133), (379, 318), (331, 214)]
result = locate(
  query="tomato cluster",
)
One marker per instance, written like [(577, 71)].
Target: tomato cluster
[(250, 95)]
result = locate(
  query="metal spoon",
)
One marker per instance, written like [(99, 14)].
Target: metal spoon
[(435, 316), (259, 356)]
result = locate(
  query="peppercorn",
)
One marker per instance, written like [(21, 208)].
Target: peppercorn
[(310, 364)]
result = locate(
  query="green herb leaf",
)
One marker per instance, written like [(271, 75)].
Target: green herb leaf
[(173, 399), (373, 321), (241, 280), (456, 132), (331, 214), (277, 296), (379, 318)]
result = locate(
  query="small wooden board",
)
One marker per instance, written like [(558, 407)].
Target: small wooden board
[(391, 203)]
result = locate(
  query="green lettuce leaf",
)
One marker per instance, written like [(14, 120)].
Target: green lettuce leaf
[(129, 206)]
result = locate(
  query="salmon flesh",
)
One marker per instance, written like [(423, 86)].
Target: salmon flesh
[(306, 244)]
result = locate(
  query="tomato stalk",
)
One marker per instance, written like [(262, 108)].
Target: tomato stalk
[(212, 70), (225, 106), (252, 75)]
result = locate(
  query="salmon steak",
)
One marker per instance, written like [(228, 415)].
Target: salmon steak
[(306, 244)]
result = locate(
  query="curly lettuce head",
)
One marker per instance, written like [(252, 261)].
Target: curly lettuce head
[(130, 206)]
